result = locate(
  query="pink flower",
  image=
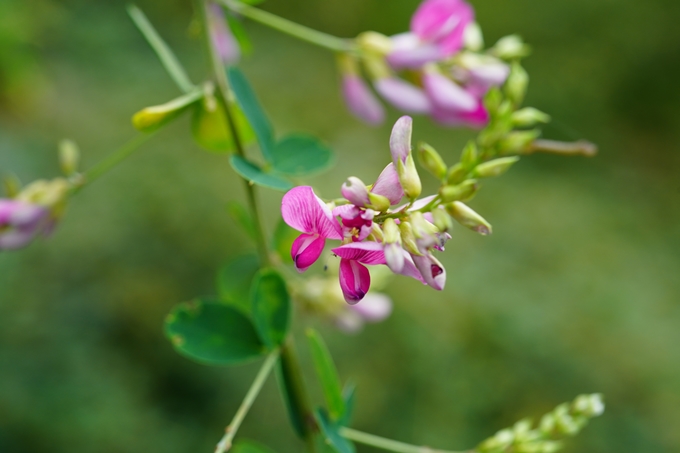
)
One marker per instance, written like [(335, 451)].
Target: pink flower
[(355, 279), (21, 222), (403, 95), (431, 270), (442, 23), (356, 222), (303, 210), (361, 100), (223, 39), (388, 185)]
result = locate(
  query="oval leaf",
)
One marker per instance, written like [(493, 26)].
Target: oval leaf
[(234, 281), (300, 154), (327, 374), (212, 333), (270, 305), (152, 118), (255, 175)]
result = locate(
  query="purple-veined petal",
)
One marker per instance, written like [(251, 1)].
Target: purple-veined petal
[(400, 139), (360, 99), (364, 252), (306, 249), (394, 257), (431, 270), (355, 191), (374, 307), (388, 185), (355, 280), (447, 94), (303, 210), (403, 95)]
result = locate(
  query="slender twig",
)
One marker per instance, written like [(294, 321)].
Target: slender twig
[(389, 444), (115, 158), (290, 28), (225, 443), (581, 147)]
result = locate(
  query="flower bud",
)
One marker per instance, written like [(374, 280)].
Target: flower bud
[(516, 85), (379, 202), (468, 159), (456, 174), (374, 42), (468, 218), (510, 47), (493, 100), (408, 177), (152, 118), (495, 167), (422, 229), (461, 192), (400, 139), (391, 233), (518, 141), (408, 239), (430, 159), (356, 192), (473, 38), (69, 157), (589, 405), (528, 117), (442, 220)]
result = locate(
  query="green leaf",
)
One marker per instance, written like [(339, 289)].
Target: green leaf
[(253, 111), (212, 333), (239, 32), (256, 175), (235, 279), (299, 155), (270, 306), (327, 374), (241, 215), (249, 446), (288, 391), (282, 241), (169, 60), (211, 131), (152, 118), (348, 394), (331, 431), (251, 2)]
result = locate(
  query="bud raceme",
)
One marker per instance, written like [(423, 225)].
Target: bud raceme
[(495, 167), (468, 218), (430, 159), (408, 177)]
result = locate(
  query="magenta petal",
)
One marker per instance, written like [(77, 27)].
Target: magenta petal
[(388, 185), (442, 21), (355, 280), (403, 95), (431, 270), (400, 139), (361, 101), (306, 250), (364, 252), (448, 95), (303, 210)]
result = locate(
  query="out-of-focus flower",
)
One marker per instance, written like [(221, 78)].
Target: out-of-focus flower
[(223, 39), (358, 96)]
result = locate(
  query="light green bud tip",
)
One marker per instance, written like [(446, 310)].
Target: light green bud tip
[(408, 177), (518, 141), (379, 202), (464, 191), (529, 116), (516, 85), (468, 218), (442, 220), (589, 405), (495, 167), (408, 239), (468, 158), (391, 232), (430, 159), (69, 157)]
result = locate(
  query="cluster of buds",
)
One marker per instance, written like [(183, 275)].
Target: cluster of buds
[(566, 420), (373, 230), (438, 68)]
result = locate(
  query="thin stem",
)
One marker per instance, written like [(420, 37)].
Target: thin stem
[(389, 444), (581, 147), (290, 28), (225, 443), (115, 158)]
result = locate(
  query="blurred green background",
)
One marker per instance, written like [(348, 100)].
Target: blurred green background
[(577, 290)]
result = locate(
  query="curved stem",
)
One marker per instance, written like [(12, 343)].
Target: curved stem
[(290, 28), (389, 444), (581, 147), (225, 443)]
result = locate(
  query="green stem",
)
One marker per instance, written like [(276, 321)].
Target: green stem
[(389, 444), (115, 158), (581, 147), (225, 443), (290, 28)]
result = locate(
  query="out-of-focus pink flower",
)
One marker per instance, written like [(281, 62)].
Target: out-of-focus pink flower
[(403, 95), (21, 222), (303, 210), (446, 94), (361, 100), (443, 23), (223, 39), (475, 119)]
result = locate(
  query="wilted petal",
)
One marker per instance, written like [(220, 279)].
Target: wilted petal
[(223, 39), (303, 210), (400, 139), (431, 270), (364, 252), (374, 308), (355, 191), (306, 249), (394, 257), (355, 280), (403, 95), (442, 21), (360, 99), (388, 185), (447, 94)]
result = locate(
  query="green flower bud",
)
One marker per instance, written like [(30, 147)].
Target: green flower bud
[(461, 192), (468, 218), (408, 239), (510, 47), (152, 118), (468, 158), (493, 100), (377, 233), (379, 202), (69, 157), (528, 117), (589, 405), (518, 141), (374, 42), (494, 167), (456, 174), (516, 85), (473, 38), (391, 232), (421, 227), (442, 220), (430, 159), (408, 177)]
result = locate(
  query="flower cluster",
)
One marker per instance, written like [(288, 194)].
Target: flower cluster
[(371, 230), (445, 73)]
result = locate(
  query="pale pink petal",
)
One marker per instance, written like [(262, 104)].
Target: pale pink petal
[(403, 95), (364, 252), (394, 257), (408, 51), (446, 94), (360, 99), (223, 39), (388, 185), (400, 139), (374, 308), (303, 210), (306, 249), (410, 269), (355, 191), (475, 119), (16, 238), (431, 270), (355, 280)]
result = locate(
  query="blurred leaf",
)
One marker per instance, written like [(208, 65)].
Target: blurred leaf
[(257, 176), (251, 2), (212, 333), (167, 57), (299, 155), (288, 393), (348, 395), (211, 131), (330, 431), (253, 111), (283, 239), (236, 27), (12, 185), (327, 374), (249, 446), (270, 306), (241, 215), (152, 118), (235, 279), (69, 157)]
